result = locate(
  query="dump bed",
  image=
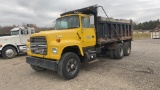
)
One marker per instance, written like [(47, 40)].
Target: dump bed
[(111, 30)]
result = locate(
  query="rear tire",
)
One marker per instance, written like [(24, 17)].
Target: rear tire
[(37, 68), (119, 51), (9, 52), (127, 49), (69, 65)]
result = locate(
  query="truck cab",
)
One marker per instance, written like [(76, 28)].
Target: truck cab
[(81, 24), (15, 44)]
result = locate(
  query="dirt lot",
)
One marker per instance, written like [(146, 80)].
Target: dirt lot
[(139, 71)]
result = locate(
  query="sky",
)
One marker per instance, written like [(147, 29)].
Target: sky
[(44, 12)]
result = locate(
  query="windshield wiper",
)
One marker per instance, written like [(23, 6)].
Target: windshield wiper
[(67, 28), (61, 28), (73, 27)]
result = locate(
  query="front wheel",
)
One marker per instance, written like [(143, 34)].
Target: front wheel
[(69, 65), (9, 52)]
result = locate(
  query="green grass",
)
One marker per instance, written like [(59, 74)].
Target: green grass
[(145, 35)]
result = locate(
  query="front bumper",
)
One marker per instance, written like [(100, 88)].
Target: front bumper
[(23, 49), (44, 63)]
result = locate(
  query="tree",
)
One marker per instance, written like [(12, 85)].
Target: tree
[(149, 25)]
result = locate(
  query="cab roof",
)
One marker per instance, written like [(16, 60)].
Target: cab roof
[(17, 28)]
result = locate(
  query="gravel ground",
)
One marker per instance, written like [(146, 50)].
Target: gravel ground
[(139, 71)]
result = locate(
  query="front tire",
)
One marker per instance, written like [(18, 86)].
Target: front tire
[(69, 65), (9, 52)]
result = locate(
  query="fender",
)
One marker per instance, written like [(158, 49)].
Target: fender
[(13, 45), (67, 43)]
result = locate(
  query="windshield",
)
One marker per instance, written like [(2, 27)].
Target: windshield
[(15, 32), (67, 22)]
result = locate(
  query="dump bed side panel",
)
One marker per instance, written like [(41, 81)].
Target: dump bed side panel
[(113, 30)]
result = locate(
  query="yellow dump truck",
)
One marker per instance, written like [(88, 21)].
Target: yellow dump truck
[(79, 36)]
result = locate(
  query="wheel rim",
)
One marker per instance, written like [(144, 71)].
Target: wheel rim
[(71, 65), (129, 50), (9, 53), (121, 51)]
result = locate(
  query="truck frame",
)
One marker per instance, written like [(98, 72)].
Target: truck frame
[(77, 41)]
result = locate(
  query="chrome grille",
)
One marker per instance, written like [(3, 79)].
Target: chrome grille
[(38, 45)]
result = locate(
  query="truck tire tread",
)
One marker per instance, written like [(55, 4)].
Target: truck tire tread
[(62, 65), (127, 49), (119, 51)]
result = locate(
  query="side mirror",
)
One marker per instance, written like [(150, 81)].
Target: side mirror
[(54, 24), (92, 20)]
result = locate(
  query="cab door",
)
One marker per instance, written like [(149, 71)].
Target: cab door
[(88, 32), (24, 36)]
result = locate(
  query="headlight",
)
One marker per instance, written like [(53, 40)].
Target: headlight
[(55, 50)]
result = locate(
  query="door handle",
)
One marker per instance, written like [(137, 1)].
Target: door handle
[(78, 35)]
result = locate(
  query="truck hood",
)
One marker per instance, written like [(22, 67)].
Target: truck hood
[(8, 37), (42, 33), (64, 34)]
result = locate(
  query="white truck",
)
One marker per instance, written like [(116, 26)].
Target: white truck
[(15, 44)]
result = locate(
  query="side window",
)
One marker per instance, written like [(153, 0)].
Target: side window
[(27, 31), (85, 22), (24, 32)]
